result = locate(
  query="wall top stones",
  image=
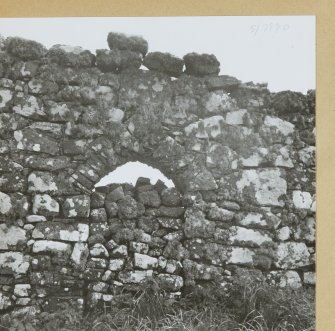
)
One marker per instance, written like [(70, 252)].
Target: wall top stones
[(126, 52)]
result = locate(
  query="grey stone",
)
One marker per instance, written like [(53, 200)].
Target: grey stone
[(201, 64)]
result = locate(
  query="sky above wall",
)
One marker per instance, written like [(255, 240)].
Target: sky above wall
[(279, 50)]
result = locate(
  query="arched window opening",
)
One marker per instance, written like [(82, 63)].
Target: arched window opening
[(131, 171)]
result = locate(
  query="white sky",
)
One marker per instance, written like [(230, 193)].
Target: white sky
[(279, 50)]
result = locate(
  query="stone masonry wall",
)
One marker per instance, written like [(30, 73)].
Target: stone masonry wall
[(242, 159)]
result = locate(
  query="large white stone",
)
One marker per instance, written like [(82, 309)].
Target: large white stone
[(284, 279), (45, 205), (15, 261), (239, 255), (302, 200), (115, 115), (11, 236), (235, 117), (50, 246), (268, 184), (239, 235), (5, 97), (22, 290), (5, 204), (292, 255), (5, 301), (282, 126), (208, 127), (145, 261), (116, 264), (41, 182), (99, 250), (81, 234), (35, 219)]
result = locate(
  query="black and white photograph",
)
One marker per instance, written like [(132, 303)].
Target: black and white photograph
[(157, 173)]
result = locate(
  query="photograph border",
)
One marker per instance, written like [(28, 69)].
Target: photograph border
[(325, 98)]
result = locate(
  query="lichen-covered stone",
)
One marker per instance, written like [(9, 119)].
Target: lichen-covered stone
[(116, 60), (51, 247), (5, 301), (149, 198), (6, 204), (77, 206), (79, 255), (127, 207), (223, 82), (70, 56), (241, 256), (143, 261), (11, 236), (73, 232), (201, 64), (268, 186), (220, 214), (284, 279), (25, 49), (135, 277), (170, 282), (42, 182), (164, 62), (196, 226), (43, 204), (170, 197), (30, 140), (292, 255), (240, 236), (126, 42), (14, 263)]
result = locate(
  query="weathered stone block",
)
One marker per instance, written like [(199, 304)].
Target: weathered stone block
[(11, 236), (30, 140), (170, 197), (149, 198), (240, 236), (145, 261), (48, 246), (116, 60), (42, 182), (164, 62), (79, 255), (196, 226), (292, 255), (25, 49), (71, 56), (72, 232), (170, 282), (127, 207), (135, 277), (125, 42), (14, 263), (77, 206), (43, 204), (201, 64), (22, 290)]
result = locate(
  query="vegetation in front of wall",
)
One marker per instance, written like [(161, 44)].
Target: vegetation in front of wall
[(244, 306)]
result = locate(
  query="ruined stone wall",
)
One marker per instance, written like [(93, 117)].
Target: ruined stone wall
[(241, 157)]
